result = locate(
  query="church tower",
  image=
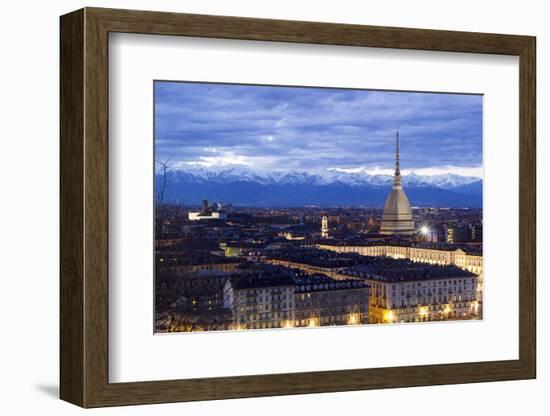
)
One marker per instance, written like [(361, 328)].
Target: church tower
[(324, 227), (397, 217)]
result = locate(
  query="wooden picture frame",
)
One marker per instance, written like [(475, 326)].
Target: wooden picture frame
[(84, 207)]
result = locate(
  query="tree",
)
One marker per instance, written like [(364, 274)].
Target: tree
[(161, 191)]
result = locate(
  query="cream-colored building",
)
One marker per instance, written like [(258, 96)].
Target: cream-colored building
[(423, 300), (470, 260), (324, 227)]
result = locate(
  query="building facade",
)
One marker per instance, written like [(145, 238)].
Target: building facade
[(295, 299), (207, 212), (423, 300), (458, 233), (324, 226), (321, 301), (259, 303)]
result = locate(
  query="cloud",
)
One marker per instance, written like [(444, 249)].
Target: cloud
[(226, 159), (314, 129)]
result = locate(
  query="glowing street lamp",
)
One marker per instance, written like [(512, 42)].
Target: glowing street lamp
[(388, 316), (425, 230), (288, 324)]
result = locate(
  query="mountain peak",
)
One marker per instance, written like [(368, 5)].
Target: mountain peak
[(355, 177), (244, 186)]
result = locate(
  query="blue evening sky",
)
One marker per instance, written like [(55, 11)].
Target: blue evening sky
[(314, 129)]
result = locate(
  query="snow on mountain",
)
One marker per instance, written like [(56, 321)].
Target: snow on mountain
[(241, 185), (359, 177), (444, 181)]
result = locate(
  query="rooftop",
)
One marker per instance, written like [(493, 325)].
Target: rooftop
[(192, 258), (317, 283), (404, 243), (371, 267), (254, 281), (386, 269), (319, 258)]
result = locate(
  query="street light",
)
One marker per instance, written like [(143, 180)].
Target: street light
[(388, 316)]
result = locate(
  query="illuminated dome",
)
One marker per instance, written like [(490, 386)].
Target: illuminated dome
[(397, 217)]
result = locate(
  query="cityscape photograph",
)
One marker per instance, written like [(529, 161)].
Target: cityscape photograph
[(304, 207)]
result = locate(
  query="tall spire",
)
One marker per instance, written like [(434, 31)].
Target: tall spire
[(397, 218), (397, 171), (397, 176)]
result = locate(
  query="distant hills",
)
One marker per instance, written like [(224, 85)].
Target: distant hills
[(246, 187)]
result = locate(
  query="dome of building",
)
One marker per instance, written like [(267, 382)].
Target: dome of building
[(397, 217)]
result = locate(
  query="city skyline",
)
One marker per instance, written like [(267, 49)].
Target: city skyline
[(208, 126), (321, 237)]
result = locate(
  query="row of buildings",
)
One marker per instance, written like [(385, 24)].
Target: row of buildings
[(320, 288), (464, 257), (288, 299), (259, 296), (401, 290), (306, 287)]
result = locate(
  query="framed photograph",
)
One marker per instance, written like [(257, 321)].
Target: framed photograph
[(254, 207)]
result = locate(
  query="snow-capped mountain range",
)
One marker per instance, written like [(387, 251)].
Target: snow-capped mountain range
[(359, 177), (245, 186)]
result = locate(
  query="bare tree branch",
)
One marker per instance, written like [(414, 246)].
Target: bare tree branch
[(162, 191)]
